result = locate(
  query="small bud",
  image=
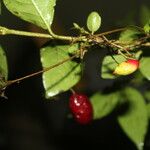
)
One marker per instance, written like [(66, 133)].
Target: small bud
[(127, 67)]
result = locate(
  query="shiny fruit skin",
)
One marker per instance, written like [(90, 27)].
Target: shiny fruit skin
[(81, 108), (127, 67)]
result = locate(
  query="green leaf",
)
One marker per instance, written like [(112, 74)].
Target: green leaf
[(147, 95), (128, 35), (144, 14), (148, 109), (109, 65), (38, 12), (62, 77), (134, 121), (144, 67), (147, 27), (104, 104), (93, 21), (3, 68), (72, 49)]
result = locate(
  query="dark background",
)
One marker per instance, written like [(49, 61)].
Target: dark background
[(30, 122)]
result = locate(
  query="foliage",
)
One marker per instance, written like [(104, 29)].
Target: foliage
[(35, 11), (63, 77), (134, 120), (144, 67), (104, 103), (3, 68), (93, 22), (61, 63)]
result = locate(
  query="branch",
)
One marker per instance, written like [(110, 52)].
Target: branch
[(7, 31), (112, 44), (112, 31), (41, 71)]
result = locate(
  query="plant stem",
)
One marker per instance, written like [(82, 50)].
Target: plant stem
[(117, 46), (146, 44), (72, 91), (121, 53), (110, 32), (6, 31), (41, 71)]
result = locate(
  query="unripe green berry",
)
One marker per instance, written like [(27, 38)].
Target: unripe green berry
[(93, 21)]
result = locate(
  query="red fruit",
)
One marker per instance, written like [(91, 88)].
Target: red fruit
[(81, 108), (133, 62), (127, 67)]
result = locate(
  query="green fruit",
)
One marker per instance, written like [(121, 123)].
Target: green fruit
[(93, 21)]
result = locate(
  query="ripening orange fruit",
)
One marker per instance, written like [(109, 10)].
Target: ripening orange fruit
[(127, 67)]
